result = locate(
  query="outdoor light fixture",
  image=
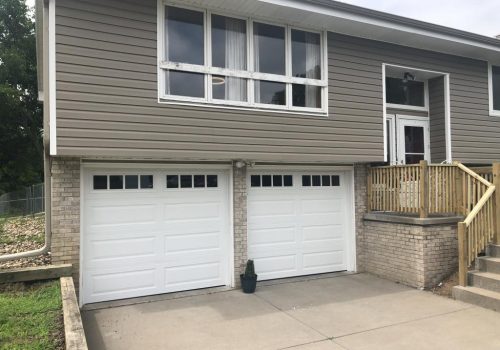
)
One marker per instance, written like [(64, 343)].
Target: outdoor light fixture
[(218, 81), (408, 76)]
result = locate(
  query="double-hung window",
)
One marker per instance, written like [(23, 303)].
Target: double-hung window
[(494, 87), (214, 59)]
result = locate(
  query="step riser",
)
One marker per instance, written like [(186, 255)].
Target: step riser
[(489, 266), (476, 299), (493, 251), (484, 282)]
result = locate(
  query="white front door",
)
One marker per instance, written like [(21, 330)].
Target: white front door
[(413, 140), (153, 231), (299, 222)]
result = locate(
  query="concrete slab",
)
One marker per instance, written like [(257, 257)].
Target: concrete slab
[(352, 304), (229, 320), (347, 312), (474, 328)]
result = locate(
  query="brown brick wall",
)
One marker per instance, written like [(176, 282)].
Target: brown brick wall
[(65, 247)]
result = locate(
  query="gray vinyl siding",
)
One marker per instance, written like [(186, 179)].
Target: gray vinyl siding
[(437, 120), (107, 104), (107, 99)]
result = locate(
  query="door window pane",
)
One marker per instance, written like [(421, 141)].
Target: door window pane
[(146, 181), (277, 180), (306, 180), (306, 96), (306, 54), (212, 181), (268, 92), (184, 84), (172, 181), (325, 180), (100, 182), (116, 182), (199, 180), (229, 42), (255, 180), (410, 93), (496, 87), (229, 88), (131, 182), (269, 48), (288, 180), (414, 139), (413, 158), (186, 181), (316, 180), (184, 40), (266, 181)]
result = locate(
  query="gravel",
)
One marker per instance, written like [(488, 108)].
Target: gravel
[(22, 234)]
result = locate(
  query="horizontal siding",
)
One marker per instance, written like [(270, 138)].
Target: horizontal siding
[(107, 98), (437, 120)]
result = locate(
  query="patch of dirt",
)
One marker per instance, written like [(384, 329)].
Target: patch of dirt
[(445, 287), (22, 234)]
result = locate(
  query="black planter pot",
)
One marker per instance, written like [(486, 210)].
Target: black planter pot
[(248, 284)]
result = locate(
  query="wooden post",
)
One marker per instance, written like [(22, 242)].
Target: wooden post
[(462, 254), (424, 189), (496, 182), (459, 205)]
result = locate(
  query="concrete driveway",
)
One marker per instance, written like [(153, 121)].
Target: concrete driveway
[(345, 312)]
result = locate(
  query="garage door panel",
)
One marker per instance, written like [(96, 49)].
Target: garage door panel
[(192, 227), (122, 214), (193, 276), (320, 206), (123, 248), (191, 211), (275, 266), (322, 232), (130, 282), (327, 245), (271, 208), (182, 243), (272, 236)]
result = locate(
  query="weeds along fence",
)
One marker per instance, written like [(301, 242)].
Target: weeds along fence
[(28, 201)]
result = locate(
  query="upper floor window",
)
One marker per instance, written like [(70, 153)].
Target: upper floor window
[(211, 58), (494, 82), (406, 93)]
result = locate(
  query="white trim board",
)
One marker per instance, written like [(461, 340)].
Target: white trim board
[(52, 78), (493, 112)]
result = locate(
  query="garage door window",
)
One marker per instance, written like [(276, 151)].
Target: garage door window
[(120, 182), (271, 181), (320, 180), (192, 181)]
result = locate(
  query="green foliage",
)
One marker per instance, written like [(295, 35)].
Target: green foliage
[(21, 149), (30, 316), (250, 269)]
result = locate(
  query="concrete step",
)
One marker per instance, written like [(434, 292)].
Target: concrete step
[(478, 296), (489, 264), (493, 251), (485, 280)]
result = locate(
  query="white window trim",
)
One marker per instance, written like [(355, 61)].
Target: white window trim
[(493, 112), (425, 108), (208, 70)]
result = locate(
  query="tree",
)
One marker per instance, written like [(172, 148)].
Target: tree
[(21, 121)]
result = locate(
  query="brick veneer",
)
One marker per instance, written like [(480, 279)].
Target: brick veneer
[(65, 247), (240, 221)]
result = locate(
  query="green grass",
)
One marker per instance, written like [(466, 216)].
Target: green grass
[(30, 316)]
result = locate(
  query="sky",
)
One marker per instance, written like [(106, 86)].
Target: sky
[(476, 16)]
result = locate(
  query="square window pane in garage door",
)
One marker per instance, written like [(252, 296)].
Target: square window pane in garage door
[(116, 182), (146, 181), (212, 181), (100, 182), (316, 180), (288, 180), (335, 180), (255, 180), (172, 181), (199, 181), (186, 181), (325, 180), (266, 181), (277, 180), (306, 180), (131, 182)]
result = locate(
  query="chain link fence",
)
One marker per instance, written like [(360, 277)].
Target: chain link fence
[(28, 201)]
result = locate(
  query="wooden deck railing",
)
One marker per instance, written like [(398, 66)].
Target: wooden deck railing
[(430, 189)]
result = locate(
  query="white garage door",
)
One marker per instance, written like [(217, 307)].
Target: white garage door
[(298, 222), (149, 232)]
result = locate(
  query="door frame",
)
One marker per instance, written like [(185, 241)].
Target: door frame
[(401, 122), (89, 165)]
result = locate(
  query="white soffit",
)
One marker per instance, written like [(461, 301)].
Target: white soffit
[(307, 15)]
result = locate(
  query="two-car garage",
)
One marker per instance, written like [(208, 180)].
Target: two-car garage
[(158, 229)]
